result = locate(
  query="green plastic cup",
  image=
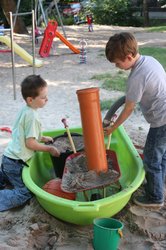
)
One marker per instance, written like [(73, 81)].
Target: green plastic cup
[(107, 233)]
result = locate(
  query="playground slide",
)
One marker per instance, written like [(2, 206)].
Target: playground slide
[(65, 41), (21, 52)]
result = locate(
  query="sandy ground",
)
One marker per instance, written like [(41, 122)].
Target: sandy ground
[(30, 227)]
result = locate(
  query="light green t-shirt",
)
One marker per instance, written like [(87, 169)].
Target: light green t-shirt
[(26, 125)]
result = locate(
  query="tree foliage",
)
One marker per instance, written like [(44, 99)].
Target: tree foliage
[(113, 12), (10, 6)]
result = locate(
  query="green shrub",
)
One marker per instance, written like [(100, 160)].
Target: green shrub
[(114, 12)]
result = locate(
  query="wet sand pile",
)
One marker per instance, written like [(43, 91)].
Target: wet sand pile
[(77, 177)]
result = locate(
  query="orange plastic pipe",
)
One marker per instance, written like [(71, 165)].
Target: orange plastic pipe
[(92, 129)]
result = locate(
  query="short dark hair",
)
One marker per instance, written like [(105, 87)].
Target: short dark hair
[(120, 45), (31, 85)]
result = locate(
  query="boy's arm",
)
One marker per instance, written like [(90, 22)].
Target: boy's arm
[(32, 144), (46, 139), (126, 112)]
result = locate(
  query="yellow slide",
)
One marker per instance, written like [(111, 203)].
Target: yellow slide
[(20, 51)]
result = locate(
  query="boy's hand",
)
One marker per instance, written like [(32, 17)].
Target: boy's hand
[(108, 130), (109, 125), (46, 139), (54, 151)]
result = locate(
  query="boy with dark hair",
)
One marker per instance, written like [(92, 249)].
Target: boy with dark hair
[(26, 138), (146, 85)]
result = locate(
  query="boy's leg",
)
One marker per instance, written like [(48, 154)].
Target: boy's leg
[(154, 155), (11, 198), (89, 27), (19, 194), (2, 182), (163, 165), (13, 171), (2, 179), (154, 152)]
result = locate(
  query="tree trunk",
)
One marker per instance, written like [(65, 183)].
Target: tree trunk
[(145, 13), (10, 6)]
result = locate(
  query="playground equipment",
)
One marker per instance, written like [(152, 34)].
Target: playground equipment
[(33, 33), (12, 56), (14, 47), (21, 52), (83, 56), (2, 34), (49, 34), (41, 14), (53, 5), (6, 129)]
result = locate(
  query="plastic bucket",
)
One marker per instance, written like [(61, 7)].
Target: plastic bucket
[(107, 233)]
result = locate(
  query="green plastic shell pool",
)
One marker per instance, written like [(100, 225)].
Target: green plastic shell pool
[(79, 211)]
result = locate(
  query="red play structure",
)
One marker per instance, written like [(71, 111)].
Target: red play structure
[(6, 129), (49, 34)]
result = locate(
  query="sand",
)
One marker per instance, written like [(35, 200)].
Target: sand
[(30, 227)]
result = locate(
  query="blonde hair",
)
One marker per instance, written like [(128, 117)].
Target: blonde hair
[(120, 45)]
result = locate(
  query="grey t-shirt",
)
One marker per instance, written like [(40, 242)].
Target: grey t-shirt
[(146, 85)]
